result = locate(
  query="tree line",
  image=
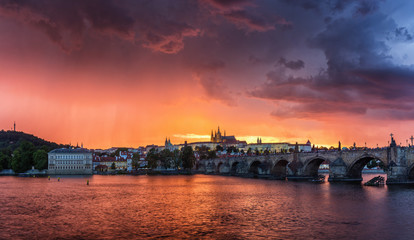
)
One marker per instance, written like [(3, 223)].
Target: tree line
[(166, 158), (24, 157)]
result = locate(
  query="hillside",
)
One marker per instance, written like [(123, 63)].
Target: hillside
[(12, 140)]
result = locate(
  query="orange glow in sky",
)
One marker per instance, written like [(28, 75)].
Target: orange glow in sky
[(125, 79)]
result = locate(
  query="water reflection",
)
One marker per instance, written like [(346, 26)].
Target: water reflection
[(200, 207)]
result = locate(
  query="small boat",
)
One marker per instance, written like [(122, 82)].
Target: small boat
[(318, 179), (376, 181)]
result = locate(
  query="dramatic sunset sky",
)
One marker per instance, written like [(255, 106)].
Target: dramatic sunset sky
[(130, 73)]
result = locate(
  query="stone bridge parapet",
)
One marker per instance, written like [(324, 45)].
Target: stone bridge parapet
[(343, 165)]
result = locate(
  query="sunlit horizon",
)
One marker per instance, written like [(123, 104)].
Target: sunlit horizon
[(271, 69)]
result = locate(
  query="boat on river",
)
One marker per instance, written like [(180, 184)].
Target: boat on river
[(318, 179), (376, 181)]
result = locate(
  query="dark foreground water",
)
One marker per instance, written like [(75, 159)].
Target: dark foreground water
[(200, 207)]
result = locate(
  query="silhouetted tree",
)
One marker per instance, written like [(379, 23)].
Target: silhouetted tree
[(152, 158), (135, 161), (176, 158), (211, 154), (188, 158), (232, 149), (165, 157), (5, 158), (27, 150), (40, 159), (16, 160)]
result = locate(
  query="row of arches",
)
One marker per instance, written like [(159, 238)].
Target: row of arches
[(281, 169)]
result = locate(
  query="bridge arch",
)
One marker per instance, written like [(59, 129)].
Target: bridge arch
[(410, 173), (279, 170), (258, 167), (201, 167), (219, 166), (254, 167), (233, 169), (355, 168), (312, 166)]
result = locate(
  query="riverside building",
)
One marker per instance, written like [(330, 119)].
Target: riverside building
[(70, 161)]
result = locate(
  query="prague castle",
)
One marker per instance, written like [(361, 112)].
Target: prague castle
[(218, 138)]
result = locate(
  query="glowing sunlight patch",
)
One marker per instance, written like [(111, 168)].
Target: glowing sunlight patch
[(192, 136)]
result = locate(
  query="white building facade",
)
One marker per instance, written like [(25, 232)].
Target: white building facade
[(77, 161)]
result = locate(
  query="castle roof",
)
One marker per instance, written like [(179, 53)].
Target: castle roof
[(70, 150)]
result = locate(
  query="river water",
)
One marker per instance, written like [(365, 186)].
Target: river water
[(200, 207)]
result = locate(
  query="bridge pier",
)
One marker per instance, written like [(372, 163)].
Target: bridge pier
[(397, 175), (299, 178)]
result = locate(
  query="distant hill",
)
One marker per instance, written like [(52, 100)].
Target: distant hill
[(13, 139)]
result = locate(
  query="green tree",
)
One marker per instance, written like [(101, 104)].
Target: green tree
[(188, 158), (165, 157), (26, 150), (5, 158), (176, 159), (135, 161), (231, 149), (212, 154), (40, 159), (113, 166), (2, 161), (219, 148), (152, 158), (116, 153), (5, 161), (16, 160)]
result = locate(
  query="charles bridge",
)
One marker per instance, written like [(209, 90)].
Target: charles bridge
[(343, 165)]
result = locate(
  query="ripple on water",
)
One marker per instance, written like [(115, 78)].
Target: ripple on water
[(199, 207)]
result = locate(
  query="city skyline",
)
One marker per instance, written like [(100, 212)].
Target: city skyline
[(131, 73)]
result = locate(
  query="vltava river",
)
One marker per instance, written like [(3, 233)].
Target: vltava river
[(200, 207)]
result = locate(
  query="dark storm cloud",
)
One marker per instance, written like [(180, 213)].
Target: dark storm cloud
[(359, 77), (216, 89), (365, 7), (394, 83), (241, 13), (294, 65), (243, 19), (64, 22), (225, 4), (308, 110), (403, 34), (67, 22), (358, 7), (214, 86), (167, 38), (241, 38)]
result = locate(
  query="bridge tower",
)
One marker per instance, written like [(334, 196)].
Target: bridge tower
[(397, 163)]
